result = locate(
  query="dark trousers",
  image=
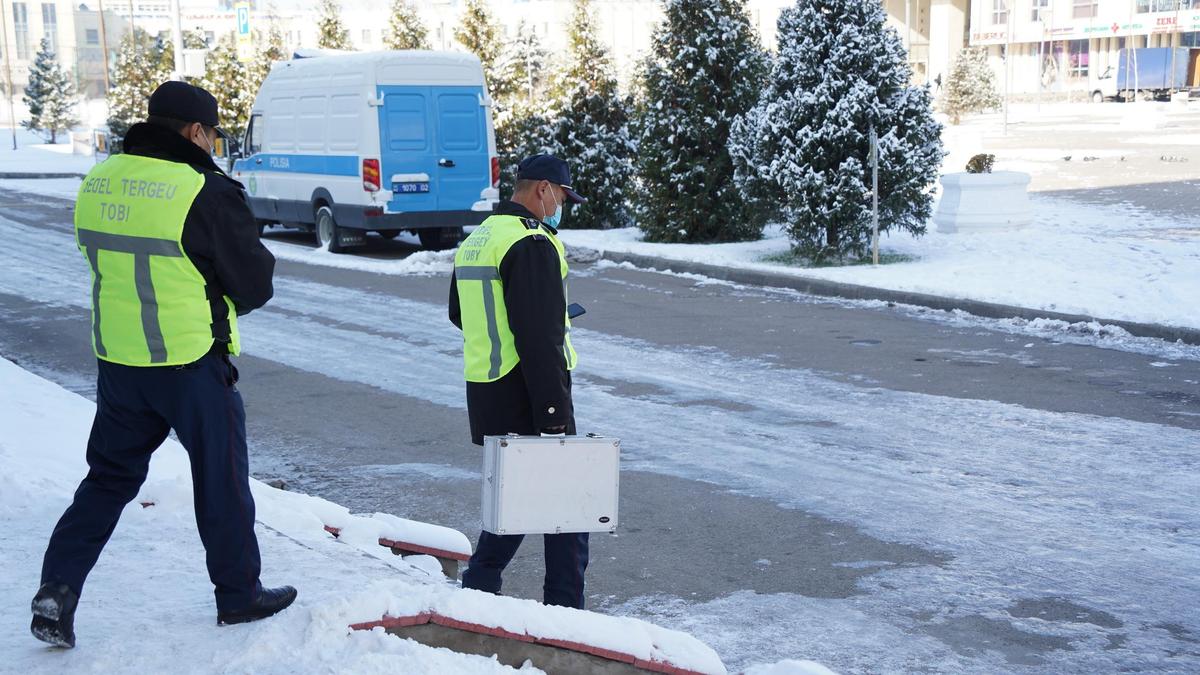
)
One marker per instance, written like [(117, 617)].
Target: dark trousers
[(135, 409), (566, 562)]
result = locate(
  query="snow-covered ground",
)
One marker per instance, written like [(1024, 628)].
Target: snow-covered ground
[(1024, 504), (149, 602), (1112, 263)]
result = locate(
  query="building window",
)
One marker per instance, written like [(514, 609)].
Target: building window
[(92, 36), (1190, 39), (1146, 6), (1084, 9), (50, 24), (1041, 11), (1077, 58), (21, 30), (999, 11)]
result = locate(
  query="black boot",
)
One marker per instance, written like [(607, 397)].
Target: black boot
[(54, 615), (269, 602)]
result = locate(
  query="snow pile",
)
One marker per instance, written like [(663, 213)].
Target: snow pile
[(35, 155), (150, 581), (419, 263), (790, 667), (1106, 262)]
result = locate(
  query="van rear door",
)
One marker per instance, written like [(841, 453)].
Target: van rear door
[(408, 161), (463, 162)]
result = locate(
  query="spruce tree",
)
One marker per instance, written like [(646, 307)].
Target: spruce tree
[(523, 67), (805, 147), (479, 33), (227, 78), (50, 94), (521, 117), (269, 50), (590, 128), (971, 87), (705, 68), (138, 71), (331, 32), (405, 29)]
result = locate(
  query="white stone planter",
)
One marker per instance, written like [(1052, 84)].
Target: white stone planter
[(984, 202)]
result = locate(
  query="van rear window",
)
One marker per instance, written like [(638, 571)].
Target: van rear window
[(406, 121), (458, 121)]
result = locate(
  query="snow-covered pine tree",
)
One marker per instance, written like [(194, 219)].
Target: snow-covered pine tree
[(331, 32), (227, 79), (524, 65), (138, 71), (479, 33), (405, 28), (521, 112), (50, 94), (521, 130), (971, 87), (269, 50), (590, 128), (805, 146), (705, 68)]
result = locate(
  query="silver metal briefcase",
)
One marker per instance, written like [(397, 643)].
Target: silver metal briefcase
[(550, 484)]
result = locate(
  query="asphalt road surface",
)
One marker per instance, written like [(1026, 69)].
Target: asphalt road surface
[(867, 486)]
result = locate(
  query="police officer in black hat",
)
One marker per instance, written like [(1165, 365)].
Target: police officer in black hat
[(509, 297), (175, 259)]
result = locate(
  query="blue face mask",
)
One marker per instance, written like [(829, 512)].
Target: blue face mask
[(555, 219)]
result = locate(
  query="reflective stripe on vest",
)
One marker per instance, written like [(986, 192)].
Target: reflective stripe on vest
[(149, 302), (489, 348)]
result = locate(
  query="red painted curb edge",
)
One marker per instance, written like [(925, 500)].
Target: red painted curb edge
[(433, 617), (411, 548)]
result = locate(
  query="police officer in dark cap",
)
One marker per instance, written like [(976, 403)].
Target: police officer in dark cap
[(509, 297), (175, 259)]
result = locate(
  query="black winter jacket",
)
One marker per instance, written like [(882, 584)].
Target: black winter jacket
[(220, 234), (536, 395)]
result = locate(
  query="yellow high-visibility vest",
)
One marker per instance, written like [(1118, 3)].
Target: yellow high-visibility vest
[(149, 305), (489, 348)]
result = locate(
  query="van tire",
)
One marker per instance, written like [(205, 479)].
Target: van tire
[(327, 231), (389, 234), (439, 238), (1097, 97)]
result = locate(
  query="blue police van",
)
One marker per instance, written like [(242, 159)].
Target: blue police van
[(384, 142)]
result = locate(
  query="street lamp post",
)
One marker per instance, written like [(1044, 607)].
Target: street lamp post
[(12, 113), (1008, 19)]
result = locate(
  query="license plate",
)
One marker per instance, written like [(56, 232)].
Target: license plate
[(410, 188)]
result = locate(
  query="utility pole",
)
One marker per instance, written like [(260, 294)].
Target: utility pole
[(12, 113), (874, 197), (104, 48), (1008, 19), (177, 40)]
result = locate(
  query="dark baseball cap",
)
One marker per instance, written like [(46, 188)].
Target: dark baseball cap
[(551, 168), (185, 102)]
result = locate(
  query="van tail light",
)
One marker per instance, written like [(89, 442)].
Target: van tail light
[(370, 173), (496, 172)]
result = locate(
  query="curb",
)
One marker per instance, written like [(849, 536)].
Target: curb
[(19, 174), (836, 289)]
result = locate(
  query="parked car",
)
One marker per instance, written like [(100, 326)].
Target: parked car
[(346, 144)]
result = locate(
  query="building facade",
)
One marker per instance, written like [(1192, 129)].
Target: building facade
[(1063, 45)]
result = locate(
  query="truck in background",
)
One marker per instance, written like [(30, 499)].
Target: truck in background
[(347, 144), (1151, 72)]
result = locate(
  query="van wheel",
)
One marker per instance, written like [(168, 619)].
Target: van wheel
[(389, 234), (1097, 97), (327, 230), (439, 238)]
